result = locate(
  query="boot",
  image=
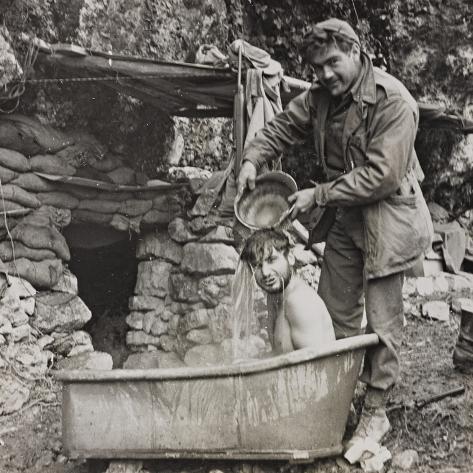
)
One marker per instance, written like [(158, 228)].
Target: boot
[(374, 425), (463, 353)]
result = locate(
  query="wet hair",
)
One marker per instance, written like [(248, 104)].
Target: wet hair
[(321, 40), (259, 244)]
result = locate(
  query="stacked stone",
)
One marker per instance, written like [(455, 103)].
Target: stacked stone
[(183, 290), (35, 328)]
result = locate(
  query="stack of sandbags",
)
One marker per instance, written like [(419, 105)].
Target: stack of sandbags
[(12, 196), (124, 211), (35, 248), (28, 148), (30, 137)]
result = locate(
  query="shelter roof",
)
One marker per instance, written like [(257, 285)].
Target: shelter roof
[(186, 89), (176, 88)]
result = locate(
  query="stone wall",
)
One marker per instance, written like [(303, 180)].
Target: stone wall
[(183, 291)]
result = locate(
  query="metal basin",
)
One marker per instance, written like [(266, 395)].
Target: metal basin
[(294, 406), (266, 203)]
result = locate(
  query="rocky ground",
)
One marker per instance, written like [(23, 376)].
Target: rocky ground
[(441, 433)]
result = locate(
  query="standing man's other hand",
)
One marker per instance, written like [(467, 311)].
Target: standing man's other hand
[(303, 200), (246, 177)]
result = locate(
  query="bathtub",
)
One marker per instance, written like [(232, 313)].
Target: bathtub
[(289, 407)]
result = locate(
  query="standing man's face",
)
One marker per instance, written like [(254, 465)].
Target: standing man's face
[(274, 272), (336, 70)]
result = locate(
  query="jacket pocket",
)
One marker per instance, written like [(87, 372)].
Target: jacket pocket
[(400, 230), (356, 149)]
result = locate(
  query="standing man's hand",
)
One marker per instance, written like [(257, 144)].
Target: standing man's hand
[(246, 177), (303, 200)]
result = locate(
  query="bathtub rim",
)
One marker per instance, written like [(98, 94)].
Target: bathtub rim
[(239, 369)]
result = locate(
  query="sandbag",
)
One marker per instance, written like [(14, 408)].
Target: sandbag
[(73, 155), (108, 163), (116, 196), (14, 160), (40, 218), (42, 237), (8, 205), (59, 218), (82, 192), (33, 183), (86, 149), (123, 175), (91, 173), (20, 196), (10, 221), (89, 142), (11, 138), (51, 164), (58, 199), (80, 216), (28, 136), (135, 207), (47, 216), (23, 251), (7, 175), (40, 274), (102, 206)]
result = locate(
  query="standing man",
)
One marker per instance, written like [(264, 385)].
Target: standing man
[(376, 221)]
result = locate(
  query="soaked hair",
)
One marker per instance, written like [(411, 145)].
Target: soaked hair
[(259, 245), (320, 40)]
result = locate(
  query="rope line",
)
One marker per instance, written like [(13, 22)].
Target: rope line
[(91, 79)]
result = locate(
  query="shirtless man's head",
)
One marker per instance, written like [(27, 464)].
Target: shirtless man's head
[(268, 252)]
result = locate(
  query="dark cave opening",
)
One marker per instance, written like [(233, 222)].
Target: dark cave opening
[(104, 262)]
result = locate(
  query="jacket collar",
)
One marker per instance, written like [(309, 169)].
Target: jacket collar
[(366, 89)]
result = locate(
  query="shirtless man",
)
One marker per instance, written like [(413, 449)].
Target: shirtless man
[(302, 319)]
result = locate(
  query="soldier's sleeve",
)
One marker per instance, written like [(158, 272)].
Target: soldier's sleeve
[(285, 129), (388, 151)]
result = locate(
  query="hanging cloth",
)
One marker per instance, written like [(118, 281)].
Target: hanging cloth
[(263, 102)]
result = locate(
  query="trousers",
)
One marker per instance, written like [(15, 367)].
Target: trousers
[(347, 293)]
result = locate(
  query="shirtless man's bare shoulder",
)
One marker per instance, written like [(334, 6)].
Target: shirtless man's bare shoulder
[(307, 315)]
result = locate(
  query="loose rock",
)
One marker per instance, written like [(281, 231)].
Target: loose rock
[(159, 245), (13, 394), (152, 278), (86, 361), (61, 312), (436, 310), (180, 232), (405, 460), (209, 258)]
